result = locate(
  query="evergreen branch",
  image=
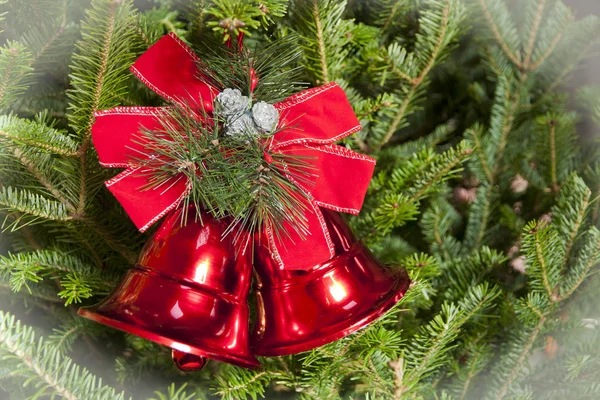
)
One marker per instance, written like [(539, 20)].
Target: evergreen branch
[(492, 24), (398, 5), (438, 236), (568, 67), (443, 29), (31, 205), (535, 26), (43, 179), (320, 42), (47, 366), (473, 371), (429, 349), (400, 73), (555, 41), (36, 134), (590, 256), (99, 73), (114, 243), (474, 134), (542, 262), (518, 365), (575, 230), (39, 144), (95, 104), (15, 65), (32, 267), (34, 293), (552, 137), (435, 175), (507, 124)]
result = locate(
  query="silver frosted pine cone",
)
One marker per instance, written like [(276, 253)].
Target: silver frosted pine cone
[(230, 103), (241, 124), (265, 116)]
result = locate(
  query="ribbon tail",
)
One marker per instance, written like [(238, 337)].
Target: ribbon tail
[(293, 252), (144, 205)]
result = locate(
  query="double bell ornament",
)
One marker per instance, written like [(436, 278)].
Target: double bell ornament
[(315, 282), (188, 291), (299, 310)]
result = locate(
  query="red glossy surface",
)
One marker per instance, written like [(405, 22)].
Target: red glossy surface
[(301, 310), (188, 292), (187, 362)]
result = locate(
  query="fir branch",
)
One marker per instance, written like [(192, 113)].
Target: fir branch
[(474, 134), (508, 33), (426, 352), (15, 68), (447, 167), (36, 134), (588, 258), (554, 43), (398, 6), (46, 367), (534, 29), (30, 207), (569, 212), (43, 179), (431, 47), (325, 38), (518, 365), (320, 42)]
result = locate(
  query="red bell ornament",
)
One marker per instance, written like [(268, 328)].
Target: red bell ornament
[(189, 292), (301, 310)]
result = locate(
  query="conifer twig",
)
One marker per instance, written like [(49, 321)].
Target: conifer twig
[(535, 26), (521, 360), (96, 101), (497, 35), (580, 280), (414, 84), (321, 43)]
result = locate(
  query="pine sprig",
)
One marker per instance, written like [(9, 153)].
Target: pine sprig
[(241, 17), (274, 65), (228, 175)]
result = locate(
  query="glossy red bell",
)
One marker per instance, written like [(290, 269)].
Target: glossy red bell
[(188, 291), (301, 310)]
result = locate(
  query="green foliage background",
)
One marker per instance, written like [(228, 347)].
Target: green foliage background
[(486, 192)]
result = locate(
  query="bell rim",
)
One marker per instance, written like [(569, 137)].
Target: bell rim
[(396, 293), (89, 313)]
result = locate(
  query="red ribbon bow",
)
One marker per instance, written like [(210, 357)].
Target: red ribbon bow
[(316, 118)]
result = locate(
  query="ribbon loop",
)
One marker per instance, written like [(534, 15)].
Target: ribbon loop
[(320, 115), (117, 136), (169, 68)]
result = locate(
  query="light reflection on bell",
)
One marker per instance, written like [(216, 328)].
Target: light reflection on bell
[(301, 310), (189, 292)]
